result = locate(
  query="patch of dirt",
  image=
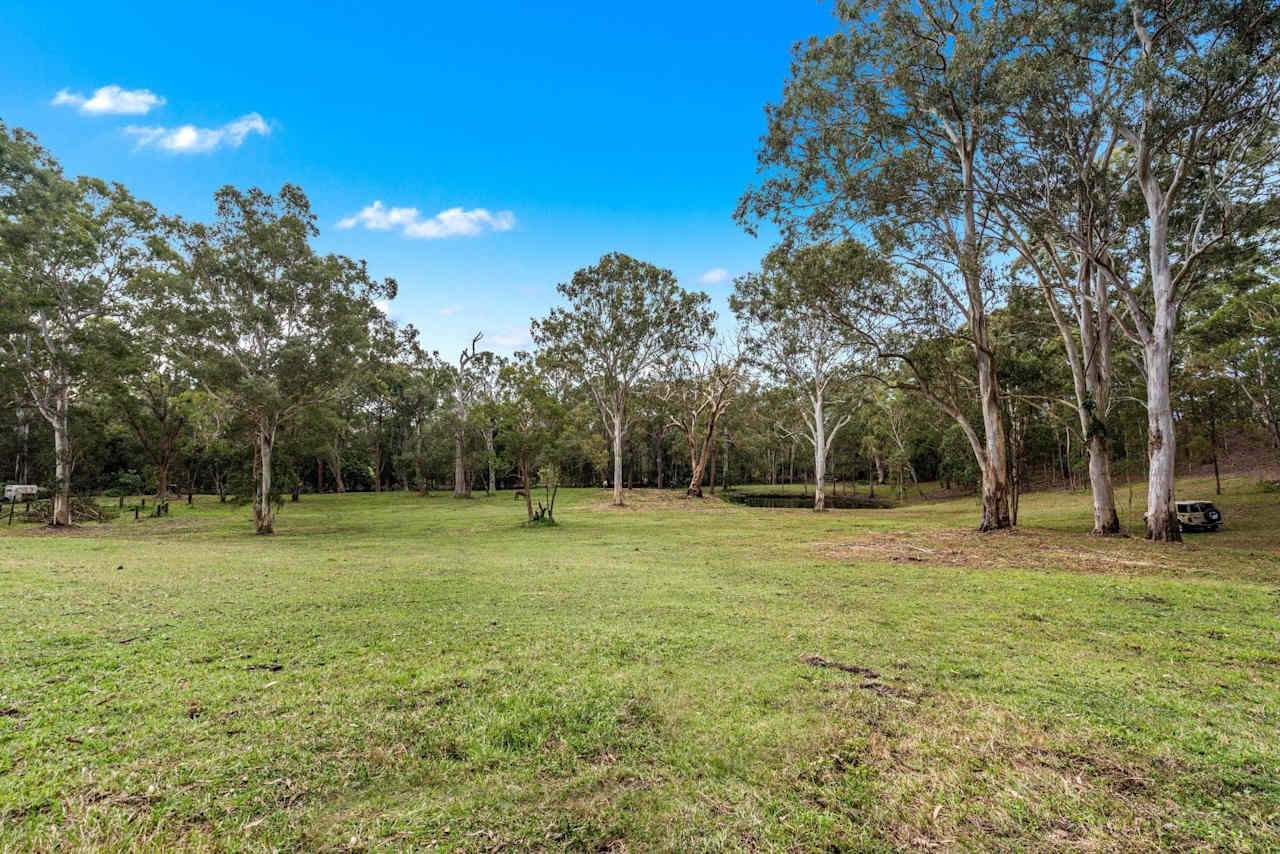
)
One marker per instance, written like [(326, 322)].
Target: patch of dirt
[(870, 678), (1020, 548), (819, 661)]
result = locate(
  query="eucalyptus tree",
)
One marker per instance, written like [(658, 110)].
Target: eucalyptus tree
[(624, 318), (384, 384), (883, 130), (272, 327), (425, 396), (1142, 142), (528, 415), (465, 391), (1197, 117), (796, 340), (69, 250), (1059, 196), (151, 401), (700, 386), (488, 393)]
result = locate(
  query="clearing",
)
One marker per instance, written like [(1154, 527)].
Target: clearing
[(398, 673)]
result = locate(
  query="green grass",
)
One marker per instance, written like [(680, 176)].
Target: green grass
[(396, 673)]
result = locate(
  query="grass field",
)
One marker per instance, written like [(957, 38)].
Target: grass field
[(397, 673)]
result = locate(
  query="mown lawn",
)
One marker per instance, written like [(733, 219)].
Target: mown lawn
[(397, 673)]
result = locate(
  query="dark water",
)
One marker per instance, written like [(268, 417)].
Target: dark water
[(792, 500)]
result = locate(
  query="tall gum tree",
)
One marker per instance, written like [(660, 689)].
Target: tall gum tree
[(1055, 194), (624, 318), (465, 392), (69, 249), (698, 392), (1197, 118), (881, 131), (796, 340), (271, 326)]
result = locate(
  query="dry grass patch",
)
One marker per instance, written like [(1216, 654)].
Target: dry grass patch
[(954, 773), (1032, 548)]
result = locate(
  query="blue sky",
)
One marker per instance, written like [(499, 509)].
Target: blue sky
[(554, 132)]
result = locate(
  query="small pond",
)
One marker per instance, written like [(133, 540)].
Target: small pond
[(799, 501)]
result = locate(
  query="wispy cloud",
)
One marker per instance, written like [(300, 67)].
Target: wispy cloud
[(449, 310), (513, 338), (454, 222), (189, 139), (110, 100), (714, 276)]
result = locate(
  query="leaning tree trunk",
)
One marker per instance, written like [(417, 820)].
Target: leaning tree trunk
[(62, 460), (527, 480), (697, 468), (263, 510), (617, 459)]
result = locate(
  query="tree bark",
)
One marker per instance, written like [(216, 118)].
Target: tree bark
[(461, 487), (488, 446), (263, 510), (819, 455), (1162, 518), (62, 460), (526, 479), (617, 458), (995, 466), (1105, 519)]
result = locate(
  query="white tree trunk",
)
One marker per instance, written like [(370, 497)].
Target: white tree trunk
[(488, 445), (1162, 519), (1157, 357), (819, 455), (62, 458), (995, 466), (461, 489), (617, 457)]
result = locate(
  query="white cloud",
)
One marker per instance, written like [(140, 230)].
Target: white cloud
[(449, 310), (110, 100), (380, 218), (383, 306), (714, 276), (513, 338), (454, 222), (189, 139)]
